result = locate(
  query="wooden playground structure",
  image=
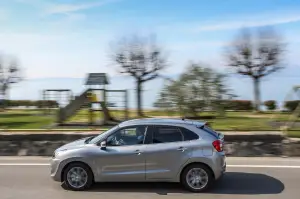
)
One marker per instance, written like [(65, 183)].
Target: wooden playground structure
[(56, 95), (89, 100)]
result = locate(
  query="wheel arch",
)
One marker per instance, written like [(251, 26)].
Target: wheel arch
[(195, 163), (76, 162)]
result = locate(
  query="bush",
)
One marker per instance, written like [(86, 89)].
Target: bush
[(235, 105), (16, 103), (27, 103), (238, 105), (270, 104), (47, 104), (291, 105), (204, 117)]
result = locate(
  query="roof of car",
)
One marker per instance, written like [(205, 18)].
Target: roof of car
[(161, 122)]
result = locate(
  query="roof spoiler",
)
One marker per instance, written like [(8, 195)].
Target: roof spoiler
[(203, 125), (206, 124)]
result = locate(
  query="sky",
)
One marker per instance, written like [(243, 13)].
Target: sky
[(58, 42)]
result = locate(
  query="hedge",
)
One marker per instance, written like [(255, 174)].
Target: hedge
[(270, 104), (238, 105), (291, 105), (40, 103), (27, 103), (235, 105)]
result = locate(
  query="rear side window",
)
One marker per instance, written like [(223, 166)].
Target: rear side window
[(188, 135), (162, 134)]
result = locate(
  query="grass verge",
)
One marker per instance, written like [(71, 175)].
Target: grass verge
[(234, 121)]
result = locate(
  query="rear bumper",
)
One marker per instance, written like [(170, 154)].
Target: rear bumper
[(222, 172), (219, 166)]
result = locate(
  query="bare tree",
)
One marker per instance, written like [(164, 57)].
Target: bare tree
[(9, 74), (256, 56), (142, 59)]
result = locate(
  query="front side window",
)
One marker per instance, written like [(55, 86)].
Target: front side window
[(102, 135), (162, 134), (127, 136)]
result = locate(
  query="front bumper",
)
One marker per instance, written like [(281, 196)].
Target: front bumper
[(56, 169)]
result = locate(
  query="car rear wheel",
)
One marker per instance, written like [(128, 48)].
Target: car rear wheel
[(78, 177), (197, 178)]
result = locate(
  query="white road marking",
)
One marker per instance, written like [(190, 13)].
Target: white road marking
[(232, 166), (268, 159), (265, 166), (24, 164), (3, 158)]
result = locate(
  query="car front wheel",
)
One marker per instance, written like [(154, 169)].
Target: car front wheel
[(197, 178), (78, 177)]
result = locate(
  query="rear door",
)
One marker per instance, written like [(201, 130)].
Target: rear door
[(165, 152)]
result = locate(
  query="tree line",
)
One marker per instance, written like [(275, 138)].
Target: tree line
[(254, 54), (233, 104)]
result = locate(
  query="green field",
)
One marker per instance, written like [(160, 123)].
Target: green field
[(236, 121), (20, 119)]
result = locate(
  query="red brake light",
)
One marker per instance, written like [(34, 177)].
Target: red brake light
[(218, 145)]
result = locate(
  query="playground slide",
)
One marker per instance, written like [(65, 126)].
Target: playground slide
[(107, 115), (69, 110)]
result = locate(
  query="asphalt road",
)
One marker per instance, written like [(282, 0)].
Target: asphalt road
[(28, 178)]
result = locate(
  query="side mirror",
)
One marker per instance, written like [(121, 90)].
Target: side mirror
[(103, 145)]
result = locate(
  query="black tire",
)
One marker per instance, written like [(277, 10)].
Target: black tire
[(204, 168), (90, 177)]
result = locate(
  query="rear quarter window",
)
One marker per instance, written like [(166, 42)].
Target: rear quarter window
[(210, 131), (188, 134)]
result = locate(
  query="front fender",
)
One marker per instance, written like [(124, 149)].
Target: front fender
[(62, 163)]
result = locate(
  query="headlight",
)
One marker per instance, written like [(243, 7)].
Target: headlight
[(56, 153)]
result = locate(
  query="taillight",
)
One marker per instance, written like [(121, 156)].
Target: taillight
[(218, 145)]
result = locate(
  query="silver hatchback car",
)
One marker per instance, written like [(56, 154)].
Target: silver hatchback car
[(144, 150)]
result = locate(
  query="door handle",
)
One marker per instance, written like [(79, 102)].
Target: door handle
[(181, 149), (138, 152)]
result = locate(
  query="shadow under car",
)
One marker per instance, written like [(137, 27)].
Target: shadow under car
[(231, 183)]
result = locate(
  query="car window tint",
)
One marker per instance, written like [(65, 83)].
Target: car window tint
[(166, 134), (188, 134), (127, 136)]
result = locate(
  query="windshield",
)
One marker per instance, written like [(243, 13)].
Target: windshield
[(102, 135)]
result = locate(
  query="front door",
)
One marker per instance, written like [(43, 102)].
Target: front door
[(166, 154), (123, 159)]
